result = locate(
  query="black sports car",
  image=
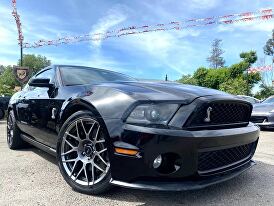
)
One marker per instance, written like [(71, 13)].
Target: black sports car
[(106, 129)]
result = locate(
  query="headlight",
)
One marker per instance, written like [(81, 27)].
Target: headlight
[(152, 113)]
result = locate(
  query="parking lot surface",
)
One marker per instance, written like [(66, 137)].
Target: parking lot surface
[(31, 177)]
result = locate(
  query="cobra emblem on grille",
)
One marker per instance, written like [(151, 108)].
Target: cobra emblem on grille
[(208, 112)]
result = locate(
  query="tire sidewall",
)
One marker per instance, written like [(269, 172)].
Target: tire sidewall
[(17, 142), (99, 187)]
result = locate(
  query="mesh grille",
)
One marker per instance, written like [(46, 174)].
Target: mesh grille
[(214, 160), (221, 113)]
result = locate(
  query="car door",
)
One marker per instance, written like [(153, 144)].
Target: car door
[(45, 108), (42, 103)]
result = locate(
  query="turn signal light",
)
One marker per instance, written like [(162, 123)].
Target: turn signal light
[(126, 151)]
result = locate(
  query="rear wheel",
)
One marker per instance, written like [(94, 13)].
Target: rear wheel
[(14, 139), (82, 154)]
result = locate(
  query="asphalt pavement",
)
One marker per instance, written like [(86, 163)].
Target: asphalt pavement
[(31, 177)]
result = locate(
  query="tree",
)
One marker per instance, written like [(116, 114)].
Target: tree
[(265, 92), (35, 63), (235, 86), (188, 79), (269, 47), (215, 59), (7, 81), (233, 79), (2, 68)]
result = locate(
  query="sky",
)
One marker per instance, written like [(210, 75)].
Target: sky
[(146, 56)]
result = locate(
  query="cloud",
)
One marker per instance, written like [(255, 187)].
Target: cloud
[(202, 4), (113, 17)]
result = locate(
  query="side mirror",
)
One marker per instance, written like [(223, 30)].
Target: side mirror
[(40, 83)]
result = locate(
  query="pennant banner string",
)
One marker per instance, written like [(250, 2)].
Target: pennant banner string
[(262, 14), (259, 69)]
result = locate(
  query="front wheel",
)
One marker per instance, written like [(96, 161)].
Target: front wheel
[(82, 154)]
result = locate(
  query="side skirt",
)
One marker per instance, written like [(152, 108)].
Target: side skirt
[(38, 144)]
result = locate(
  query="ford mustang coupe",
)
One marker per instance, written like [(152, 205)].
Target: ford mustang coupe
[(106, 128)]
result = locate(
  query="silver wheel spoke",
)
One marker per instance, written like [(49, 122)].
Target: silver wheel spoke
[(97, 132), (99, 168), (101, 158), (103, 150), (84, 127), (92, 171), (70, 160), (85, 171), (78, 173), (72, 170), (72, 150), (100, 141), (77, 130), (76, 138), (90, 129), (69, 144)]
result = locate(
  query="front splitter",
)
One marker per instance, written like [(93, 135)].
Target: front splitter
[(184, 185)]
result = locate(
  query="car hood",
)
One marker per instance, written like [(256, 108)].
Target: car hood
[(163, 90), (263, 107)]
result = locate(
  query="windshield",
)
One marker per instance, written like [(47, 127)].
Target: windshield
[(269, 100), (85, 75)]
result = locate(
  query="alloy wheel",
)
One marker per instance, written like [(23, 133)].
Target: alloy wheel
[(84, 153)]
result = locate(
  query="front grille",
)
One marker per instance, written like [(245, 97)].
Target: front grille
[(218, 160), (222, 113), (258, 119)]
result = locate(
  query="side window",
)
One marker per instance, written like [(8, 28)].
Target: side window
[(43, 92), (49, 73)]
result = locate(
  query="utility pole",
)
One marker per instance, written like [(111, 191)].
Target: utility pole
[(21, 54), (247, 80)]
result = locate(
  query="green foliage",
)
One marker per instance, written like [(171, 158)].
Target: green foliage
[(7, 81), (36, 63), (265, 92), (233, 79), (188, 79), (237, 86)]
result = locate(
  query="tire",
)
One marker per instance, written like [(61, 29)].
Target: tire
[(82, 153), (2, 113), (14, 139)]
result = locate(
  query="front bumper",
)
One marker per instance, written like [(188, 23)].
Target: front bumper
[(138, 171), (186, 184)]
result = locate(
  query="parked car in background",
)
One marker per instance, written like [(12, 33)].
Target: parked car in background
[(263, 113), (108, 129), (4, 102), (250, 99)]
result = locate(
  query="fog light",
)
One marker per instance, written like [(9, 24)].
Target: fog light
[(157, 162)]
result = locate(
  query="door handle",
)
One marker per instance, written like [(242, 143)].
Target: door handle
[(53, 113)]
